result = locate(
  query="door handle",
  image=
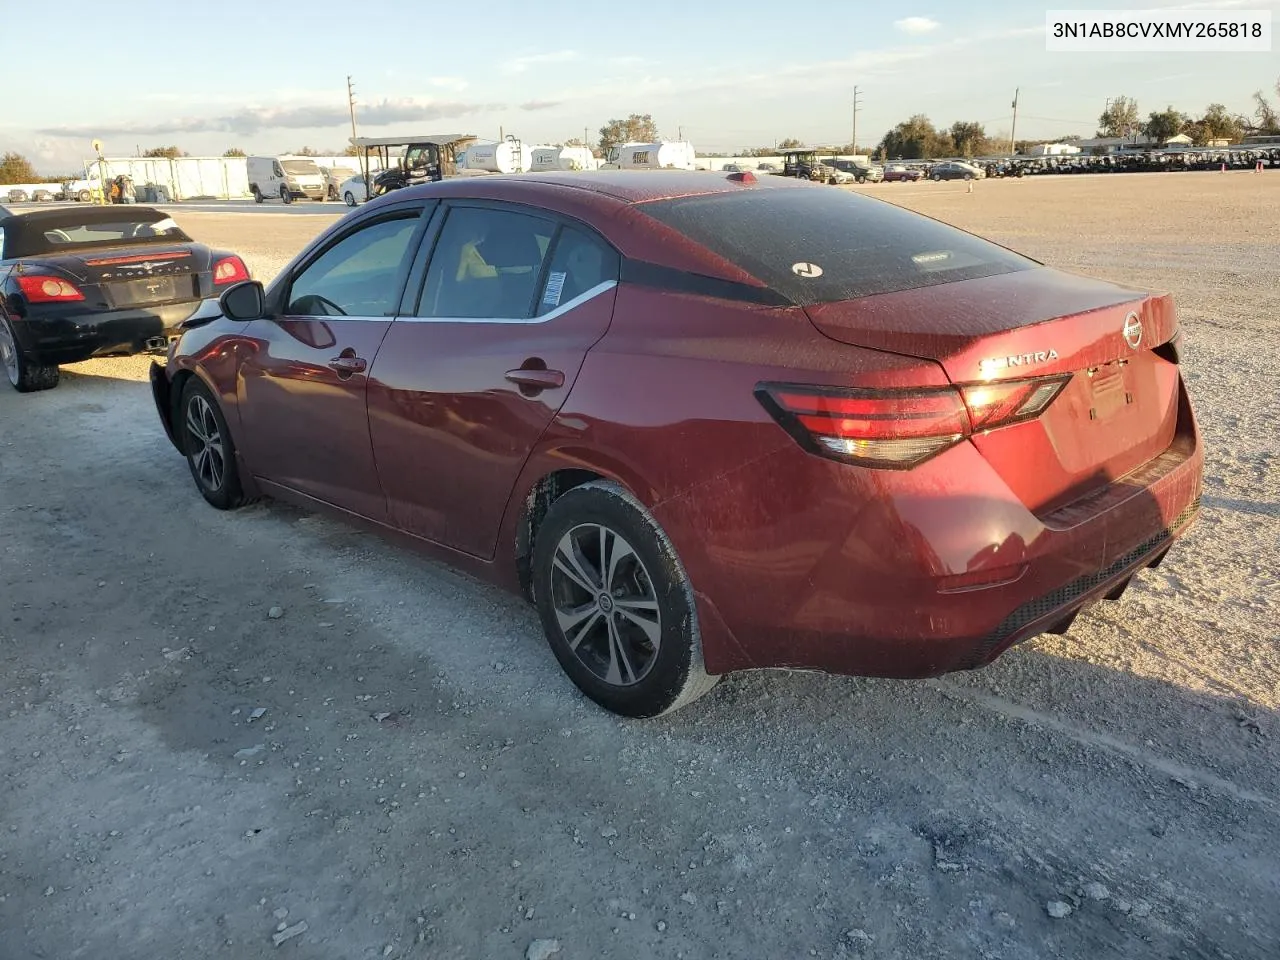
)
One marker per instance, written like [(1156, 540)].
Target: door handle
[(536, 379), (348, 365)]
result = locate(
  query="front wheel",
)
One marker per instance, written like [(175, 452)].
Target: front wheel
[(285, 195), (210, 453), (23, 375), (84, 196), (616, 605)]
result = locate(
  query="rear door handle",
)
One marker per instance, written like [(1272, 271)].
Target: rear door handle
[(348, 365), (536, 379)]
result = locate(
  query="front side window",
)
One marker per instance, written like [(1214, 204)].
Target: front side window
[(486, 265), (359, 276)]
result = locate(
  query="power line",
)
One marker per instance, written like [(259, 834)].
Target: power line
[(1081, 123)]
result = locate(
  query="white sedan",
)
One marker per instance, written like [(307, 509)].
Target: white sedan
[(354, 191)]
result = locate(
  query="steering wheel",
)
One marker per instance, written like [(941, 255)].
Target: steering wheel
[(299, 306)]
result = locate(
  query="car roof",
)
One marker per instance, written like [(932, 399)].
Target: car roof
[(81, 213), (621, 186), (24, 230)]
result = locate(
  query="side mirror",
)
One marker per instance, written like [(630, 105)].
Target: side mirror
[(246, 300)]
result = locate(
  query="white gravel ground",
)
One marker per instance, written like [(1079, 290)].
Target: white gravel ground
[(425, 783)]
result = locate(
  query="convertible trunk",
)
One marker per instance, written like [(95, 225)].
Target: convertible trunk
[(131, 277)]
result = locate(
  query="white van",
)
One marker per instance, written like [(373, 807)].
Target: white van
[(285, 177)]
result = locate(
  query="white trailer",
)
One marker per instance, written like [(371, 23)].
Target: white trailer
[(506, 156), (665, 155), (561, 158)]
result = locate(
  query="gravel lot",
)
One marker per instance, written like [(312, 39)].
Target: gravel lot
[(425, 783)]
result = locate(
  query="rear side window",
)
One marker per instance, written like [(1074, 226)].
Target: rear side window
[(486, 265), (815, 245), (580, 264)]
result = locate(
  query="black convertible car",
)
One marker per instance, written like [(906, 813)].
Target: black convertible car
[(89, 282)]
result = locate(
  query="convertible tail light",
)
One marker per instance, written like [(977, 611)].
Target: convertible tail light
[(900, 428), (229, 270), (44, 289)]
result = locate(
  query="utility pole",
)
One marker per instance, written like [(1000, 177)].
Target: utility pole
[(857, 105), (680, 133), (351, 102), (1013, 130)]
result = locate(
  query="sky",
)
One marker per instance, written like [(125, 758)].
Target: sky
[(271, 78)]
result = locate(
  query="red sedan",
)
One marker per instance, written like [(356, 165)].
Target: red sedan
[(898, 172), (706, 423)]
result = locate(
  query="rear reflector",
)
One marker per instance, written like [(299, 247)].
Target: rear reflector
[(900, 428), (40, 289), (229, 270)]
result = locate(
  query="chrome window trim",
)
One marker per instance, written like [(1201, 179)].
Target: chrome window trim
[(564, 308)]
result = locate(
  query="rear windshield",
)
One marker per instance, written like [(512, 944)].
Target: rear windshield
[(70, 234), (818, 245)]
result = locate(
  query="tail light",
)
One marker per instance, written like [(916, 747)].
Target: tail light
[(229, 270), (901, 428), (42, 289)]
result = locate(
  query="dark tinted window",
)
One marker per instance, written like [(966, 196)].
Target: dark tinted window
[(860, 246), (486, 265), (579, 264), (358, 276)]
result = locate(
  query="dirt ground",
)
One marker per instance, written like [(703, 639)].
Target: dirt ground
[(425, 783)]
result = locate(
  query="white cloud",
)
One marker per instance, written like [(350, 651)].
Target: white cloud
[(457, 84), (917, 25), (521, 64)]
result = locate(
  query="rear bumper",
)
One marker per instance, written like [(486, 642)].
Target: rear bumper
[(72, 338), (812, 565)]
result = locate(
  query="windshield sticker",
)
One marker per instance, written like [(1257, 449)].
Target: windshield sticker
[(809, 270), (555, 286), (936, 257)]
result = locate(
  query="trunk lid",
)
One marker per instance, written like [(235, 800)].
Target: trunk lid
[(1119, 409), (132, 277)]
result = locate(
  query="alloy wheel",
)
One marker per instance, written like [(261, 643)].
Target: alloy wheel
[(208, 457), (605, 604), (8, 353)]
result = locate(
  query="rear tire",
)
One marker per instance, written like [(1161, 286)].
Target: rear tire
[(257, 194), (23, 375), (616, 605), (349, 199), (211, 454)]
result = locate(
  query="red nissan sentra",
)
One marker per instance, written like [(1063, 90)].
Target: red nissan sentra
[(707, 423)]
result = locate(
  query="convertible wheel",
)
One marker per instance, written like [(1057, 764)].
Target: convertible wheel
[(24, 376), (616, 605), (210, 453)]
